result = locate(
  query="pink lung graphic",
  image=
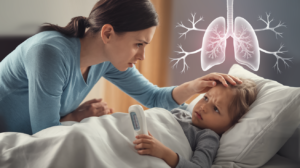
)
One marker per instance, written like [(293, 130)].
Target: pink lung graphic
[(214, 44), (246, 45), (245, 41)]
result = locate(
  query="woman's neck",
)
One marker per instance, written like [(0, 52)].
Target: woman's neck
[(91, 51)]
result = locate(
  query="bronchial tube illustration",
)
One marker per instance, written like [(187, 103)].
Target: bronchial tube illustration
[(246, 45), (229, 17)]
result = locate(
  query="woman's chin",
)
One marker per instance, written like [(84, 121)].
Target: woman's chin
[(122, 69)]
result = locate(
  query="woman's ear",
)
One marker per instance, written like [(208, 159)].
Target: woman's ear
[(107, 32)]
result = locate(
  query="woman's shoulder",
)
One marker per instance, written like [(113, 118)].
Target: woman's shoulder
[(54, 39), (51, 41)]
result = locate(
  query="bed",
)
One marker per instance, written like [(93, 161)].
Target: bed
[(268, 136)]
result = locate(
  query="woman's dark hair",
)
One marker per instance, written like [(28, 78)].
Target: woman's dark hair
[(123, 15)]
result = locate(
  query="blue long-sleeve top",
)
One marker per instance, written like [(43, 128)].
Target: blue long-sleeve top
[(41, 81)]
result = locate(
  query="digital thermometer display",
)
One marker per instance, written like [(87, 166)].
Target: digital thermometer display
[(135, 121), (138, 119)]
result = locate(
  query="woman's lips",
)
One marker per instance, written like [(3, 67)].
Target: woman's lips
[(199, 116)]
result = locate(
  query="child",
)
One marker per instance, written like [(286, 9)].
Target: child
[(219, 109)]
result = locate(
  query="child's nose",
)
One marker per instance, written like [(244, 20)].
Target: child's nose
[(202, 108)]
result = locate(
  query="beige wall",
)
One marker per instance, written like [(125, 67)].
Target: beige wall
[(96, 92)]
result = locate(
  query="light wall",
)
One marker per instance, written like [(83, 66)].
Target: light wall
[(22, 18)]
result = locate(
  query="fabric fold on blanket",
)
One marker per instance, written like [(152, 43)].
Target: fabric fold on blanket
[(104, 141)]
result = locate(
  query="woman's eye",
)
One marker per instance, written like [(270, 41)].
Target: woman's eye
[(216, 109), (140, 44), (205, 98)]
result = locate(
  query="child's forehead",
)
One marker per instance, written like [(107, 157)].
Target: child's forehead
[(220, 89), (223, 95)]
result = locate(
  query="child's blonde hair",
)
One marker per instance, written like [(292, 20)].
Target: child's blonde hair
[(244, 96)]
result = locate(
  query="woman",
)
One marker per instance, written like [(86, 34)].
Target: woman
[(45, 78)]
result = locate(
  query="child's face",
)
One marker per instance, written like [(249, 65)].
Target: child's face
[(213, 108)]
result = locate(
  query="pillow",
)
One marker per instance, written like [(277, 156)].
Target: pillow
[(271, 120)]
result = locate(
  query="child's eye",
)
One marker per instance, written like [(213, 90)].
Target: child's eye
[(140, 44), (215, 108)]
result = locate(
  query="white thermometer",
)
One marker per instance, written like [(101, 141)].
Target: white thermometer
[(138, 119)]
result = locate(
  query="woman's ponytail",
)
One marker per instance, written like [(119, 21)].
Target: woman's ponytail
[(75, 28), (123, 15)]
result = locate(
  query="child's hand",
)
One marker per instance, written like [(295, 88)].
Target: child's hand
[(148, 145)]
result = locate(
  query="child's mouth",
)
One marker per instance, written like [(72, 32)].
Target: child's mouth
[(199, 116)]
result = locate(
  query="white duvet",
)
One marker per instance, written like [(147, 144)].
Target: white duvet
[(104, 142)]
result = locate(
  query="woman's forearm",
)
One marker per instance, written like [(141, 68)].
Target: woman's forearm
[(69, 117), (182, 93), (171, 158)]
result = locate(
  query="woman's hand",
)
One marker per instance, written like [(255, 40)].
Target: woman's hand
[(203, 84), (95, 107), (148, 145)]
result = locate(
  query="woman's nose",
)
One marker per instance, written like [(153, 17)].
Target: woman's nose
[(141, 55)]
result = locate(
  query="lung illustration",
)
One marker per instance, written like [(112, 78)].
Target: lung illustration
[(245, 42), (246, 47), (214, 44)]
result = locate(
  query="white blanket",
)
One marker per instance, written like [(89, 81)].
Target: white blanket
[(104, 142)]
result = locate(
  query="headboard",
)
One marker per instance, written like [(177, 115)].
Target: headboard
[(9, 43)]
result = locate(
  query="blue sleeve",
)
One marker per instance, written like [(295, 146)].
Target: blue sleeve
[(204, 154), (46, 74), (137, 86)]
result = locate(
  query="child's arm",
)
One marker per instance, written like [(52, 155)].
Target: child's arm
[(206, 149), (148, 145), (207, 145), (170, 157), (203, 156)]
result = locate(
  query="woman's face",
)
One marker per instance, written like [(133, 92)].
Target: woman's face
[(213, 109), (126, 49)]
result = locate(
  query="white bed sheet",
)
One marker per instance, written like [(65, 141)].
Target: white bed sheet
[(104, 141)]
